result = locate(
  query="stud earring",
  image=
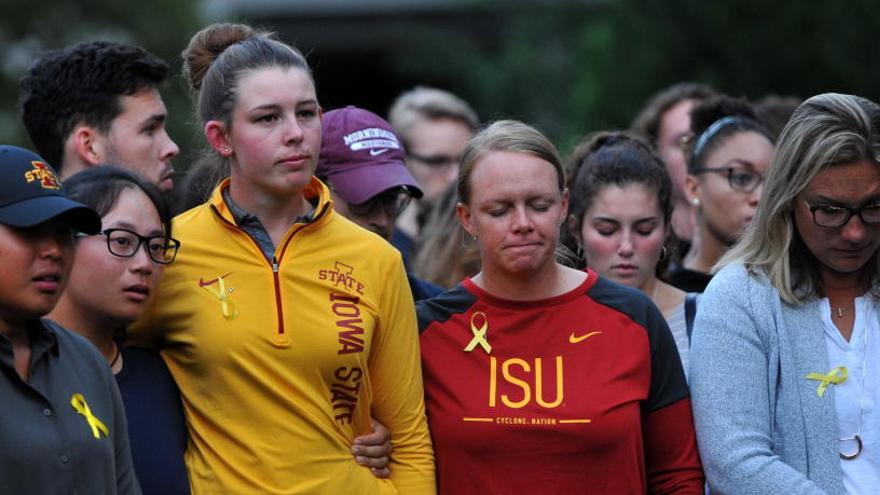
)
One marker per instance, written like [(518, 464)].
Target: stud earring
[(695, 202), (227, 150)]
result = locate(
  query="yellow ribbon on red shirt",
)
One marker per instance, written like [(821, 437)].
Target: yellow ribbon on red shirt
[(81, 406), (480, 334)]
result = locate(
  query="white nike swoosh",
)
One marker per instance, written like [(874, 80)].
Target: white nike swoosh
[(378, 152)]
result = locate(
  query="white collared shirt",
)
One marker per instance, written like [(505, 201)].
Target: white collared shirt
[(862, 474)]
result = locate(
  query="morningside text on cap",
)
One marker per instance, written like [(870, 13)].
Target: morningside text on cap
[(31, 193), (361, 156)]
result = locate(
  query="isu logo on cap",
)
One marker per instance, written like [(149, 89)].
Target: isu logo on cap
[(42, 173)]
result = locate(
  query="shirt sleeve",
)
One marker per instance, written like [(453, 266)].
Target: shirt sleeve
[(731, 398), (398, 395), (126, 481), (672, 461)]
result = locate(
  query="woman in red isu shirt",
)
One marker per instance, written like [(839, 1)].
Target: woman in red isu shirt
[(540, 378)]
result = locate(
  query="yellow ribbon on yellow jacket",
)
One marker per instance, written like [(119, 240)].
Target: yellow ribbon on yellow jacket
[(227, 307)]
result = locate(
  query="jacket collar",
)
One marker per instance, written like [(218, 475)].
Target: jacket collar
[(315, 189)]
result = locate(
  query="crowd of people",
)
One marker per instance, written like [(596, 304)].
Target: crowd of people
[(332, 302)]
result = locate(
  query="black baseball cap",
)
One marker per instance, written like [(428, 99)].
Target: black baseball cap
[(31, 193)]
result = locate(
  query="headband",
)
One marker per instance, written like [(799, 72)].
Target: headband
[(712, 130)]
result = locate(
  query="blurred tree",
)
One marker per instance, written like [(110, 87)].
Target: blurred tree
[(571, 67), (568, 66), (29, 28)]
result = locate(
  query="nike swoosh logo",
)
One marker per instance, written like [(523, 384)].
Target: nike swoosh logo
[(574, 339), (206, 283), (378, 152)]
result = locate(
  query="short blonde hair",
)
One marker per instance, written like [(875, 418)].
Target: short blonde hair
[(424, 103), (506, 135), (826, 130)]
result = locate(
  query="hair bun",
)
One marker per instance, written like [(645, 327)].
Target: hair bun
[(204, 48)]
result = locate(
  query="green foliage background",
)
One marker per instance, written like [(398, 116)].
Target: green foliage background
[(28, 28), (574, 67), (567, 66)]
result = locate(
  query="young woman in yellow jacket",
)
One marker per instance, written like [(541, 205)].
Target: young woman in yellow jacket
[(285, 325)]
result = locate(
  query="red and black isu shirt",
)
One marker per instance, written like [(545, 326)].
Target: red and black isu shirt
[(579, 393)]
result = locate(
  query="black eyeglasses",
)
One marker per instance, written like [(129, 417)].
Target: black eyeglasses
[(838, 216), (435, 161), (125, 243), (393, 202), (740, 179)]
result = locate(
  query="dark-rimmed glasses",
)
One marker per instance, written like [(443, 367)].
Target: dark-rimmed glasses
[(834, 217), (740, 179), (125, 243), (392, 202)]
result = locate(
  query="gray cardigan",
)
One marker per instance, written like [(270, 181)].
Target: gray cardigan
[(761, 427)]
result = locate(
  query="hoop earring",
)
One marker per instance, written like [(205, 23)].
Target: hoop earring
[(664, 253), (579, 252)]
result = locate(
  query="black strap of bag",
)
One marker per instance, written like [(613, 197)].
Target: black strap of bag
[(690, 312)]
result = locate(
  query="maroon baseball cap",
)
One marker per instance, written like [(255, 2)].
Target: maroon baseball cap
[(361, 155)]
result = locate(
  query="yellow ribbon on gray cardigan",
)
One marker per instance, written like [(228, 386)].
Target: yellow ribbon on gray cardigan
[(836, 376)]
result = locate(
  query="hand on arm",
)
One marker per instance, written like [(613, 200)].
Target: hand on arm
[(374, 450)]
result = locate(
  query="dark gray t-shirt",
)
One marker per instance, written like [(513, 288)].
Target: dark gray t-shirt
[(47, 445)]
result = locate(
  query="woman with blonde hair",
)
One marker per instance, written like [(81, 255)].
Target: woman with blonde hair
[(546, 378), (285, 325), (786, 340)]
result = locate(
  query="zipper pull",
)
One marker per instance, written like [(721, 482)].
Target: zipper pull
[(274, 265)]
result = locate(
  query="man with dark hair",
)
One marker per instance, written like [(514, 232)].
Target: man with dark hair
[(665, 121), (96, 103)]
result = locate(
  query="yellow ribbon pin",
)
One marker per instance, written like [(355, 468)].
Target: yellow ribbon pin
[(79, 405), (480, 332), (836, 376), (227, 307)]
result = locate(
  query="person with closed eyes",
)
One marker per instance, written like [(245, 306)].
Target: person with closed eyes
[(550, 379), (786, 342), (619, 223)]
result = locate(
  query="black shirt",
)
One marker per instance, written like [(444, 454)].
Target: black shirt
[(156, 427), (48, 444), (688, 280)]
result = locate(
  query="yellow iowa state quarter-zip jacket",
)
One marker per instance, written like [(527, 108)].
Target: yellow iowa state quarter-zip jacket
[(281, 363)]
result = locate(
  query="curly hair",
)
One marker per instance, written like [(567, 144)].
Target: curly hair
[(82, 84), (604, 159), (713, 121)]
